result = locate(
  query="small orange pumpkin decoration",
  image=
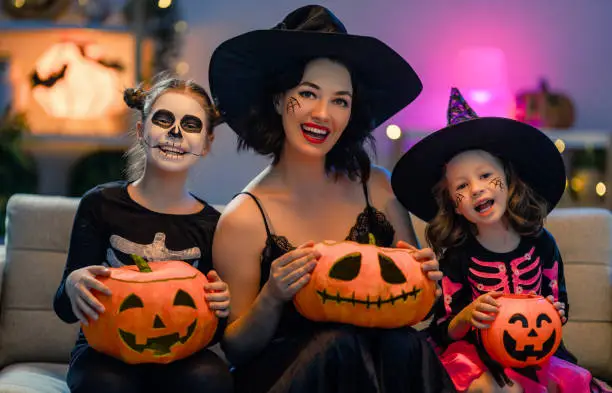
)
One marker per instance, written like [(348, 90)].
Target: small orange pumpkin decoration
[(157, 313), (526, 331), (543, 108), (366, 285)]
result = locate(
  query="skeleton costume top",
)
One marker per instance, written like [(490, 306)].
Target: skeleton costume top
[(109, 226), (472, 270)]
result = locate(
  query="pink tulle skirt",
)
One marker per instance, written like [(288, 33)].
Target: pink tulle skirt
[(464, 366)]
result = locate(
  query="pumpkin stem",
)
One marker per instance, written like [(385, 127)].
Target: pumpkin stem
[(371, 239), (143, 266)]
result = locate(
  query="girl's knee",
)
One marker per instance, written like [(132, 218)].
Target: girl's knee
[(101, 382), (93, 372), (481, 385), (486, 384)]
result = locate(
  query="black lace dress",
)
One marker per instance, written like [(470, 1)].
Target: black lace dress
[(315, 357)]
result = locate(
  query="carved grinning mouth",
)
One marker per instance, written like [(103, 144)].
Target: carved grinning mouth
[(160, 345), (368, 302), (528, 350)]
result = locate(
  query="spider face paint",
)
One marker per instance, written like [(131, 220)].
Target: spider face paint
[(292, 105), (458, 199), (497, 182)]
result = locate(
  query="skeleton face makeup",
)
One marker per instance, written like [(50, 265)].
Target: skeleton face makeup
[(174, 133), (165, 119)]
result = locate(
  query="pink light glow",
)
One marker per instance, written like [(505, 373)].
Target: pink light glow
[(480, 96), (481, 74)]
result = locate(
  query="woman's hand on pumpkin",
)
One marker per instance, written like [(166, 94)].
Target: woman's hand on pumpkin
[(79, 283), (560, 307), (430, 264), (291, 271), (482, 310), (218, 294)]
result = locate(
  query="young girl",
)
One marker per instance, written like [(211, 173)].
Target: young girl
[(154, 216), (487, 185)]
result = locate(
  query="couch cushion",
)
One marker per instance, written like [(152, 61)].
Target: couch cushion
[(34, 378), (577, 230), (591, 343), (35, 223), (584, 237), (38, 234)]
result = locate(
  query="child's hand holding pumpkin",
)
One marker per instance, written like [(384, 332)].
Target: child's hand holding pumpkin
[(559, 306), (481, 312), (78, 288), (218, 294)]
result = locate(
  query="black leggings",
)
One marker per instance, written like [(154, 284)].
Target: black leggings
[(93, 372)]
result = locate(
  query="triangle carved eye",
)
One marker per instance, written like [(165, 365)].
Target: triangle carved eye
[(132, 301), (182, 298)]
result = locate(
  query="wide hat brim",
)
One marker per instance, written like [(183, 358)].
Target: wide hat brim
[(533, 155), (241, 68)]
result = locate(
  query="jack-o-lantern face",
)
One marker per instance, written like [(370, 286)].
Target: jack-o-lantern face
[(526, 331), (160, 345), (154, 316), (366, 285)]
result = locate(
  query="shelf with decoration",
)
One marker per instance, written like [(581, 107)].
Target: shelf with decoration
[(63, 67)]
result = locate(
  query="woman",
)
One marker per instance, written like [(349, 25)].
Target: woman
[(309, 95)]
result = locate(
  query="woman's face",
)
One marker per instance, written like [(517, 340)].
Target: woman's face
[(318, 109), (175, 133)]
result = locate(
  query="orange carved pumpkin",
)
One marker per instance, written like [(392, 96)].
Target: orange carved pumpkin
[(526, 331), (544, 108), (157, 313), (366, 285)]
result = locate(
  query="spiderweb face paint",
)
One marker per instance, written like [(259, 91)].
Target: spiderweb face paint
[(458, 199), (292, 105), (497, 183)]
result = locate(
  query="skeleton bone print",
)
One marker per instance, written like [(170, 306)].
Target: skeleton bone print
[(155, 251), (525, 275)]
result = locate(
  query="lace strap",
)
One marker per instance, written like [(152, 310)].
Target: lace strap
[(261, 210)]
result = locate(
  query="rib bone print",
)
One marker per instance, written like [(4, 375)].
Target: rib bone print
[(525, 276)]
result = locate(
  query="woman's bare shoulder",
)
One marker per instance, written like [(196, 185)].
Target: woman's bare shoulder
[(379, 183)]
